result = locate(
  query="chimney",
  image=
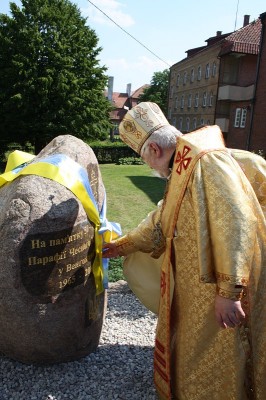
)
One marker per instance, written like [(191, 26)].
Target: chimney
[(218, 33), (246, 20), (110, 88), (129, 89)]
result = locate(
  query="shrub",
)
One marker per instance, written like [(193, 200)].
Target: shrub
[(130, 161), (115, 272)]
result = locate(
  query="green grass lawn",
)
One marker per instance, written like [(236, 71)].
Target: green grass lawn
[(132, 192)]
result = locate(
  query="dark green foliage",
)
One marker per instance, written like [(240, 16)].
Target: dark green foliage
[(111, 154), (50, 79), (115, 272), (157, 92), (130, 161)]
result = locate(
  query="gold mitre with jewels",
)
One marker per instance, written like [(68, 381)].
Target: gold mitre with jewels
[(139, 123)]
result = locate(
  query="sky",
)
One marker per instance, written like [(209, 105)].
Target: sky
[(141, 37)]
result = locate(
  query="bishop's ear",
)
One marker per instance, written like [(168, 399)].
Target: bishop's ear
[(155, 150)]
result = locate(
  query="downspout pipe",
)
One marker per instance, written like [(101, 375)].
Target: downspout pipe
[(262, 38)]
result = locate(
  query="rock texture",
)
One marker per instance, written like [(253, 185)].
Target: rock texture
[(49, 311)]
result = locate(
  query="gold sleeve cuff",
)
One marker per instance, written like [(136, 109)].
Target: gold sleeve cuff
[(233, 293), (125, 246)]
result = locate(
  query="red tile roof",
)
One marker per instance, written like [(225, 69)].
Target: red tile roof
[(245, 40), (139, 91)]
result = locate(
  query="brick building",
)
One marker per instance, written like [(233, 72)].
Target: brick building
[(257, 138), (193, 86), (236, 89), (216, 84)]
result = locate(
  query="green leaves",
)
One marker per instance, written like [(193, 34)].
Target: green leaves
[(157, 92), (51, 82)]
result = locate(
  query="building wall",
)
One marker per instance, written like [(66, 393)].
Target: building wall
[(237, 79), (205, 88), (257, 140)]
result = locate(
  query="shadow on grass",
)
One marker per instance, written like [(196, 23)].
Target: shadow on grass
[(153, 186)]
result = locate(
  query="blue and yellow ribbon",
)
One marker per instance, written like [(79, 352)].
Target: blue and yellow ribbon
[(64, 170)]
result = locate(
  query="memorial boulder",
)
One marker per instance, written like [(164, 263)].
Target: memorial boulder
[(50, 310)]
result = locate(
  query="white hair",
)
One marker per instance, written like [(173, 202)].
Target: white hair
[(164, 137)]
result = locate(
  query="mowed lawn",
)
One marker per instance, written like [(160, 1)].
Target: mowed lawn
[(132, 192)]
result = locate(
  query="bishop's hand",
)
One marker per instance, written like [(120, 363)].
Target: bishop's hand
[(229, 313), (110, 250)]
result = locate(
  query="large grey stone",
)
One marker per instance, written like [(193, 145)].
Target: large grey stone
[(49, 311)]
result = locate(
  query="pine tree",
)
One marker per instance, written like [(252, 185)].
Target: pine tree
[(51, 82)]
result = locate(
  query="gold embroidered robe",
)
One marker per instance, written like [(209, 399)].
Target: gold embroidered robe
[(219, 243)]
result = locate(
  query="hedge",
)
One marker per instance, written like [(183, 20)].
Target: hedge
[(112, 154)]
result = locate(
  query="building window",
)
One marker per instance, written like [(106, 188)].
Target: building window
[(192, 75), (211, 100), (208, 122), (199, 73), (196, 101), (180, 124), (243, 118), (189, 100), (202, 122), (214, 69), (204, 99), (176, 102), (187, 124), (240, 118), (174, 121), (182, 101), (194, 123), (237, 118), (207, 71), (178, 80), (185, 78)]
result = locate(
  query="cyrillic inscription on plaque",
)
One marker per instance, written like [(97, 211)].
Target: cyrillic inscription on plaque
[(57, 261)]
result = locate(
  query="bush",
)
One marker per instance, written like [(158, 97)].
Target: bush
[(115, 272), (110, 154), (130, 161)]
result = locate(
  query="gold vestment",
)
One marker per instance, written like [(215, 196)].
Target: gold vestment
[(217, 245)]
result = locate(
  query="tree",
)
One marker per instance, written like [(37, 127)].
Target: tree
[(51, 82), (157, 92)]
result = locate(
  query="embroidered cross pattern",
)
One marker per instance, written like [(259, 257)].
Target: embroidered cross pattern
[(182, 160)]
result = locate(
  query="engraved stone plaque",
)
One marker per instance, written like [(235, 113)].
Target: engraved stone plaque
[(49, 310)]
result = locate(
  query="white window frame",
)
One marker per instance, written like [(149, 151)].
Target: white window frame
[(194, 123), (176, 102), (211, 99), (185, 78), (243, 118), (204, 99), (207, 71), (192, 75), (174, 121), (187, 124), (199, 73), (196, 100), (237, 117), (189, 100), (214, 68), (180, 124), (182, 101)]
